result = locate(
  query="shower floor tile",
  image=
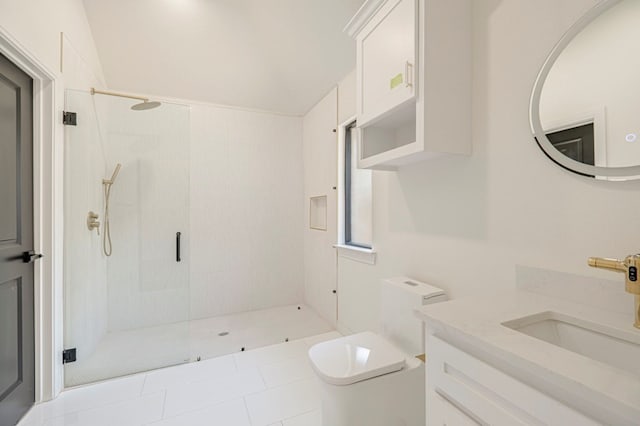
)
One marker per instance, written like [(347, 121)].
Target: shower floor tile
[(271, 386), (131, 351)]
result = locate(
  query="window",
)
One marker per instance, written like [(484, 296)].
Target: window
[(358, 224)]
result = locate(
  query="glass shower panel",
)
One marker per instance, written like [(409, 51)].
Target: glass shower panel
[(127, 312)]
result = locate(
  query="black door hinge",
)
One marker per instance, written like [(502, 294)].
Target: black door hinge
[(69, 355), (69, 118)]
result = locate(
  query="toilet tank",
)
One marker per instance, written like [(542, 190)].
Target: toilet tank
[(399, 297)]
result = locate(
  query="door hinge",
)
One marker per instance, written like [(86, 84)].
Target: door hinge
[(69, 355), (69, 118)]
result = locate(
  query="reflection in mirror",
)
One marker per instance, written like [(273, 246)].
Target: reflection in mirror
[(587, 117)]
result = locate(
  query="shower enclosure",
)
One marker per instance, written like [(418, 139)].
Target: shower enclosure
[(135, 301)]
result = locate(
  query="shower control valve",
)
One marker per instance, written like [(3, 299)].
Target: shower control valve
[(93, 222)]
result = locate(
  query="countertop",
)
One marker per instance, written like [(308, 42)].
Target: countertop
[(590, 386)]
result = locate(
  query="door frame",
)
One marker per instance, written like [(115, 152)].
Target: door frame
[(48, 97)]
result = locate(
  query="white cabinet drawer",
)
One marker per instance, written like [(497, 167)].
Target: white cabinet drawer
[(444, 413), (487, 395)]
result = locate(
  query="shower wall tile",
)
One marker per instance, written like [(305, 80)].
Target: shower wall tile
[(246, 206), (230, 180), (85, 270), (149, 204)]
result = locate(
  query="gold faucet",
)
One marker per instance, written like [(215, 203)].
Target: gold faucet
[(629, 265)]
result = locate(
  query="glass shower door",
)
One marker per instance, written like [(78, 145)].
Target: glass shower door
[(126, 265)]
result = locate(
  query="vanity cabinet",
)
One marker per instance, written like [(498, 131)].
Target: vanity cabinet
[(464, 390), (413, 73)]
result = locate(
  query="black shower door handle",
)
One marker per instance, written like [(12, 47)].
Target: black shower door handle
[(178, 234)]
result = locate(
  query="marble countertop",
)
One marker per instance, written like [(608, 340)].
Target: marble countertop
[(590, 386)]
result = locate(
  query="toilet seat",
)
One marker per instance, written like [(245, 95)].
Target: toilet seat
[(355, 358)]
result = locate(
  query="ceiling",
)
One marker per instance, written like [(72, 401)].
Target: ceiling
[(276, 55)]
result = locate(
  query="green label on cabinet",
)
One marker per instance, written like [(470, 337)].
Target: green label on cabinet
[(396, 81)]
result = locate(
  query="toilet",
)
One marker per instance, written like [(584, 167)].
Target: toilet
[(375, 379)]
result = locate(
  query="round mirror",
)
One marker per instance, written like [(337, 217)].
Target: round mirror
[(584, 111)]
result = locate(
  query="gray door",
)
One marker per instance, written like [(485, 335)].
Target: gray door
[(577, 143), (17, 366)]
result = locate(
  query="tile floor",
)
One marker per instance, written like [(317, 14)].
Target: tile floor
[(131, 351), (268, 386)]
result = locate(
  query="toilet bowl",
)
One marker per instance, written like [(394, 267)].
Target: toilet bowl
[(366, 380), (374, 379)]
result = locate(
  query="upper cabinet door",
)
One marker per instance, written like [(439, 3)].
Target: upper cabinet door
[(387, 60), (413, 80)]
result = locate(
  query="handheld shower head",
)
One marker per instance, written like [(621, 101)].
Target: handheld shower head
[(115, 172), (113, 176), (107, 248)]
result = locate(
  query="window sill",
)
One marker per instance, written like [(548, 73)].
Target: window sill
[(358, 254)]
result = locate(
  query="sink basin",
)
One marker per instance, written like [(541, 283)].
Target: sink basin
[(617, 348)]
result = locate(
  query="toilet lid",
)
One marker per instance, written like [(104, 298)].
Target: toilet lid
[(355, 358)]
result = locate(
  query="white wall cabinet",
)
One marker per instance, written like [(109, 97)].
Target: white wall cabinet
[(387, 51), (463, 390), (413, 80)]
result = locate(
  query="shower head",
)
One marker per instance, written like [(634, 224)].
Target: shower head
[(144, 105), (113, 176), (115, 172)]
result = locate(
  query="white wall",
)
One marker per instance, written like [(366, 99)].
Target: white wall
[(36, 26), (246, 210), (320, 179), (598, 71), (149, 204), (346, 97), (85, 269), (272, 55), (246, 196), (465, 223), (229, 180)]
